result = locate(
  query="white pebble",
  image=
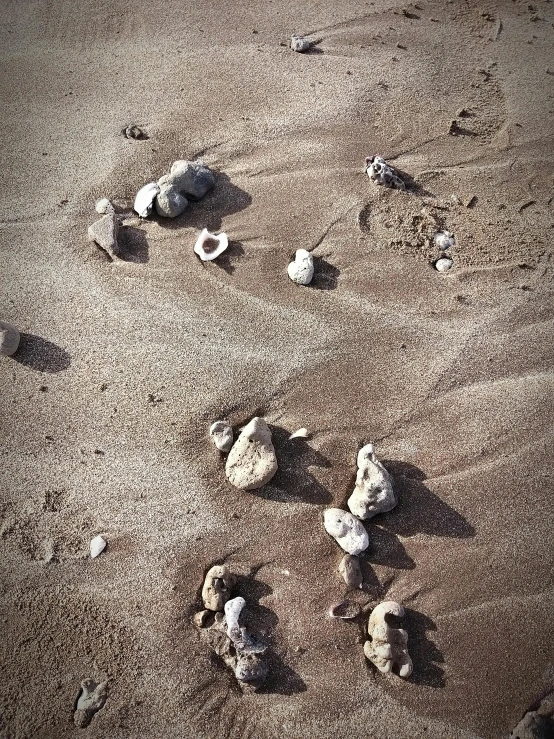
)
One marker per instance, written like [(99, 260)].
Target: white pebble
[(299, 43), (444, 240), (97, 546), (301, 270), (346, 530), (443, 264), (300, 434), (222, 435), (103, 206), (144, 200)]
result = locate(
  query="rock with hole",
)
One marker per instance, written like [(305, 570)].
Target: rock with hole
[(209, 246), (218, 584), (387, 647)]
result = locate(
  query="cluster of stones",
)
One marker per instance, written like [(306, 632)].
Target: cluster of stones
[(170, 195), (444, 240), (219, 625), (382, 173), (373, 493)]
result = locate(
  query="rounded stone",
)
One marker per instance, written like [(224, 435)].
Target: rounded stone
[(252, 461), (347, 530), (350, 570), (443, 264), (301, 270), (9, 339), (222, 435), (169, 202), (218, 584)]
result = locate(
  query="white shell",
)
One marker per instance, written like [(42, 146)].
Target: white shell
[(443, 264), (300, 434), (348, 531), (103, 206), (97, 545), (301, 270), (144, 199), (444, 240), (209, 246)]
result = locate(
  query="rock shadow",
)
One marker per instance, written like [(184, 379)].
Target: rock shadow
[(132, 245), (41, 355), (222, 200), (227, 260), (419, 510), (293, 480), (425, 655), (326, 275), (385, 549)]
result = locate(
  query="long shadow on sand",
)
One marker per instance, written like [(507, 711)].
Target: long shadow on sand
[(293, 480), (132, 245), (41, 355), (424, 653), (222, 200), (326, 275), (419, 510)]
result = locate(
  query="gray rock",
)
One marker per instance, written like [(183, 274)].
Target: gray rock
[(193, 179), (350, 570), (104, 233), (222, 435), (169, 202), (9, 338), (299, 44), (252, 461), (534, 726), (218, 585), (91, 699)]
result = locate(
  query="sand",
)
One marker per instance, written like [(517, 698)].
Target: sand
[(123, 366)]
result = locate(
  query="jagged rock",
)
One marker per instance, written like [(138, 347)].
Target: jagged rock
[(104, 233), (252, 461), (217, 588), (350, 570), (388, 646), (382, 173), (373, 492), (9, 338), (91, 699), (348, 531)]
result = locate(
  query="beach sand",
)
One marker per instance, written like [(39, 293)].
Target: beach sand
[(124, 365)]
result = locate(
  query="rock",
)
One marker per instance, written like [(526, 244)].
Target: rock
[(134, 132), (346, 609), (382, 173), (104, 233), (97, 546), (202, 618), (301, 270), (299, 43), (222, 435), (233, 609), (351, 572), (373, 492), (444, 240), (193, 179), (9, 339), (169, 202), (443, 264), (217, 587), (144, 200), (251, 668), (252, 461), (103, 206), (91, 699), (300, 434), (387, 647), (209, 246), (534, 726), (348, 531)]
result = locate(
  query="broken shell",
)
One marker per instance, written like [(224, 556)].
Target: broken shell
[(218, 583), (300, 434), (346, 609), (444, 240), (351, 572), (103, 206), (346, 529), (373, 492), (299, 43), (222, 435), (382, 173), (209, 246), (97, 546), (9, 338), (252, 461), (301, 270), (144, 200), (91, 699), (169, 202), (443, 264), (388, 645)]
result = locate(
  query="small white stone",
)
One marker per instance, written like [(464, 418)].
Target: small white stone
[(444, 240), (443, 264), (233, 609), (222, 435), (252, 461), (301, 270), (347, 530), (300, 434), (97, 546), (9, 338), (144, 200), (299, 43), (209, 246), (103, 206)]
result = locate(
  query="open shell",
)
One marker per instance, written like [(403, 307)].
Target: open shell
[(209, 246)]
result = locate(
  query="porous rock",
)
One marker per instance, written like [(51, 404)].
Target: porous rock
[(193, 179), (252, 461), (169, 202), (299, 44), (91, 699), (144, 200), (9, 338), (351, 571), (534, 726), (104, 233), (218, 584), (382, 173), (373, 492), (222, 435), (301, 270), (348, 531), (388, 646), (443, 264)]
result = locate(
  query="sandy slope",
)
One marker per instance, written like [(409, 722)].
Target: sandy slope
[(123, 366)]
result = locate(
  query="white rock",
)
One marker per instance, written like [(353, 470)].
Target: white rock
[(217, 587), (382, 173), (144, 200), (222, 435), (299, 43), (9, 338), (373, 492), (97, 546), (252, 461), (388, 646), (209, 246), (103, 206), (169, 202), (300, 434), (443, 264), (348, 531), (444, 240), (233, 609), (301, 270)]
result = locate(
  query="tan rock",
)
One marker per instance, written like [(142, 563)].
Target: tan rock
[(388, 646), (350, 570), (252, 461), (104, 233), (217, 588)]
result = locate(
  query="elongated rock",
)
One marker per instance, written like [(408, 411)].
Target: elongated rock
[(252, 461), (388, 646), (373, 492), (91, 699), (351, 572)]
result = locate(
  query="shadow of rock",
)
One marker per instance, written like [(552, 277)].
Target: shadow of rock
[(386, 549), (419, 510), (222, 200), (293, 480), (412, 185), (132, 245), (282, 679), (325, 276), (424, 653), (229, 256), (41, 355)]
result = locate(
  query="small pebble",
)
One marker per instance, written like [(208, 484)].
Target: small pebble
[(351, 572), (299, 44), (97, 546), (222, 435), (300, 434), (444, 240), (301, 270), (345, 609), (443, 264), (9, 339), (103, 206)]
